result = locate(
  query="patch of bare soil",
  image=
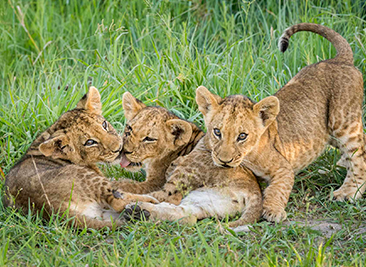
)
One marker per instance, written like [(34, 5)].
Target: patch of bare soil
[(325, 227)]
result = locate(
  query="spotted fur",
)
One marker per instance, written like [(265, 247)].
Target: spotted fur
[(284, 133), (196, 188), (192, 187), (59, 172)]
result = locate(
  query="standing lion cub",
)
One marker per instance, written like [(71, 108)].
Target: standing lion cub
[(59, 172), (284, 133)]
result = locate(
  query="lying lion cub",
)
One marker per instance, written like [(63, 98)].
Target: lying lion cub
[(59, 170), (157, 137), (196, 188), (322, 104)]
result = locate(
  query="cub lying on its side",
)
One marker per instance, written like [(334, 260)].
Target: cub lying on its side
[(153, 138), (207, 191), (212, 190), (59, 170), (321, 104)]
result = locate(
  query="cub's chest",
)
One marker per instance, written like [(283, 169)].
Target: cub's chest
[(258, 171)]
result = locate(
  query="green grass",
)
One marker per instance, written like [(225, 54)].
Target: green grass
[(161, 51)]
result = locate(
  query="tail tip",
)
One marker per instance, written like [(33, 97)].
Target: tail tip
[(283, 44)]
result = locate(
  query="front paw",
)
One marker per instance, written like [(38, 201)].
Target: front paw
[(118, 201), (274, 214), (117, 194), (133, 212)]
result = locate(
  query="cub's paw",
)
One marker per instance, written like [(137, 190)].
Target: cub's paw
[(118, 201), (274, 215), (343, 194), (117, 194), (133, 212)]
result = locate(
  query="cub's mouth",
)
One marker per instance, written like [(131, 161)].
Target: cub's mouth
[(125, 163)]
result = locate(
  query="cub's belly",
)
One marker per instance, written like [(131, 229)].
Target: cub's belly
[(214, 201)]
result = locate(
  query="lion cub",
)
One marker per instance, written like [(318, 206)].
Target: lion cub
[(59, 170), (163, 142), (322, 104), (153, 138), (196, 188)]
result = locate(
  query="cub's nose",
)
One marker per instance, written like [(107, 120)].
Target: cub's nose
[(226, 162), (114, 144), (119, 150)]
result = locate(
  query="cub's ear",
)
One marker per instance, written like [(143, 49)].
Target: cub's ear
[(206, 101), (131, 105), (91, 101), (56, 147), (267, 109), (180, 130)]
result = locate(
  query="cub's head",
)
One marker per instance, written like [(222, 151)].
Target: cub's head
[(82, 135), (234, 124), (151, 133)]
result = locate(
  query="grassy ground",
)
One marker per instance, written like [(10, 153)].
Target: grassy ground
[(51, 51)]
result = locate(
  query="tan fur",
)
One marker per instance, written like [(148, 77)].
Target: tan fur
[(288, 131), (59, 170), (207, 190), (168, 137), (196, 189)]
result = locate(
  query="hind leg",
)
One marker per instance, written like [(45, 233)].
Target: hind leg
[(203, 203), (118, 200), (165, 211), (343, 161), (352, 144)]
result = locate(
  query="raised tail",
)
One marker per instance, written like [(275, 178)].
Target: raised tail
[(344, 51)]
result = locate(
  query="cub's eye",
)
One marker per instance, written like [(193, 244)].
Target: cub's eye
[(128, 128), (148, 139), (105, 125), (217, 132), (242, 136), (90, 142)]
